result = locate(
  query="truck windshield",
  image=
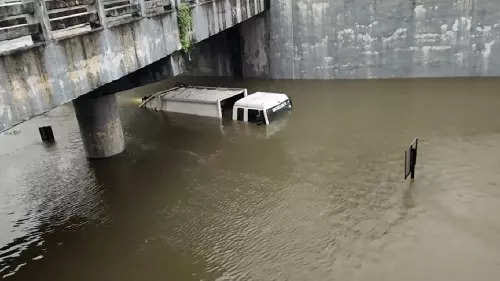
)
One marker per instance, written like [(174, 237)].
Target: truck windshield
[(275, 112)]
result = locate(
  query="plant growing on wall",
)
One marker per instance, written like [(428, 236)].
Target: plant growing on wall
[(185, 22)]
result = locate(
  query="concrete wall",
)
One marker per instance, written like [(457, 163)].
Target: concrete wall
[(254, 44), (325, 39)]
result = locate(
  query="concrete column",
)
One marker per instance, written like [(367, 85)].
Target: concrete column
[(100, 125)]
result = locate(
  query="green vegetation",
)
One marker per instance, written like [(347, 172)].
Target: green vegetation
[(185, 22)]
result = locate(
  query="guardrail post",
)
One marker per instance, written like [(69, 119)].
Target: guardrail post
[(42, 14), (142, 7), (101, 13)]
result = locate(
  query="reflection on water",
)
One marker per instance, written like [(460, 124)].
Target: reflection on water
[(317, 196)]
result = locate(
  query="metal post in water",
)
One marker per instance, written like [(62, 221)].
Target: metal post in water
[(412, 168), (411, 159), (414, 159)]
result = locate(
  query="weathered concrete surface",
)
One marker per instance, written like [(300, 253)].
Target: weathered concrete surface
[(324, 39), (100, 125), (41, 78), (219, 56), (212, 17), (36, 80), (255, 47)]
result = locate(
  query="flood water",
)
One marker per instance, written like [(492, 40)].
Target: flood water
[(318, 196)]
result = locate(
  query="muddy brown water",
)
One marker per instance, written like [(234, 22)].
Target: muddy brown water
[(319, 196)]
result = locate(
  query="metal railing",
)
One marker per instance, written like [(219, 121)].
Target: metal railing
[(25, 23), (157, 7), (19, 25), (120, 11), (69, 17)]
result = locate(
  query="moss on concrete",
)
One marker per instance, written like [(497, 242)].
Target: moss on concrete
[(185, 22)]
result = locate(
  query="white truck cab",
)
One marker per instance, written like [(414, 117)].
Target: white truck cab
[(261, 107), (221, 103)]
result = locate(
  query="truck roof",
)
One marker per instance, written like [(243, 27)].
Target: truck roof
[(201, 94), (261, 100)]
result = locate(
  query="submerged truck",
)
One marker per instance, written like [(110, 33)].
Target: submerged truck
[(222, 103)]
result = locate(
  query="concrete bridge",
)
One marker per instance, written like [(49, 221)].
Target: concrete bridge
[(55, 51)]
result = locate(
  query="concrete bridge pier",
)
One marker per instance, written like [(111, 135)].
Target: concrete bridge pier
[(100, 125)]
